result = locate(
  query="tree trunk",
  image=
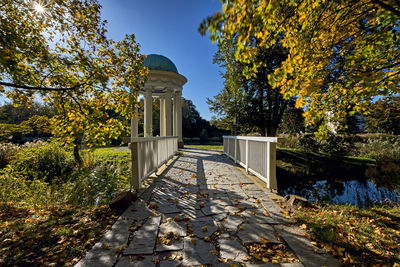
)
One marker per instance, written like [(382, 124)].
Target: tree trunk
[(77, 156)]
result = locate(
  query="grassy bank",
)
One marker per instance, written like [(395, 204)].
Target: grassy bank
[(52, 211), (360, 237)]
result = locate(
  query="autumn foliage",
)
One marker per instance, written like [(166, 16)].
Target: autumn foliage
[(341, 53)]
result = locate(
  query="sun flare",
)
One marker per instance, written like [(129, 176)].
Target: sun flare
[(39, 8)]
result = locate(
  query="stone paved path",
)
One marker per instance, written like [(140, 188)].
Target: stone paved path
[(203, 211)]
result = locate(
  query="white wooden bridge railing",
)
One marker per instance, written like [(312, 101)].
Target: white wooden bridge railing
[(148, 154), (256, 154)]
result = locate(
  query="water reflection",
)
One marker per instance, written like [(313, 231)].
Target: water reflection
[(360, 193)]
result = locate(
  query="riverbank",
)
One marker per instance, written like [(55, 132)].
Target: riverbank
[(359, 236)]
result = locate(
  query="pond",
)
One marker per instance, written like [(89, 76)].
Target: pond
[(334, 180), (362, 194)]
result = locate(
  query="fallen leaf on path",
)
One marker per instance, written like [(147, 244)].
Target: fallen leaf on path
[(121, 248)]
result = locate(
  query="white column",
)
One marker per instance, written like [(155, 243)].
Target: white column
[(179, 118), (175, 115), (148, 112), (168, 125), (162, 116)]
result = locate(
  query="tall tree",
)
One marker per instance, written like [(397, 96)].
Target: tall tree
[(365, 33), (58, 50), (229, 103), (251, 101)]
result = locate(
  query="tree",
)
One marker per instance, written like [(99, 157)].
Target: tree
[(229, 103), (292, 120), (59, 51), (364, 33), (384, 116), (251, 101), (15, 115)]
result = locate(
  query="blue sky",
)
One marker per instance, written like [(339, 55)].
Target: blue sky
[(169, 28)]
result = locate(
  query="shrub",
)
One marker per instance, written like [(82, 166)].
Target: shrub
[(338, 145), (288, 141), (308, 142), (48, 161), (99, 185), (16, 188), (7, 151)]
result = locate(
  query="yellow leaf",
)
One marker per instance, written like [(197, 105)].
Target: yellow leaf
[(121, 248)]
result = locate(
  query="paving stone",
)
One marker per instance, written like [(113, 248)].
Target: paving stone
[(198, 252), (145, 238), (232, 250), (252, 233), (211, 209), (167, 208), (232, 222), (172, 227), (220, 216), (199, 224), (259, 217), (177, 245), (224, 236), (303, 248), (169, 263), (274, 211), (137, 211), (126, 261), (98, 257)]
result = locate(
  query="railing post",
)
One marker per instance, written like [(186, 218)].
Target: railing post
[(271, 166), (135, 166), (247, 156), (156, 151), (234, 156)]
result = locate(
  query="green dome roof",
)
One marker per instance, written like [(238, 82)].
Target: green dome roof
[(159, 62)]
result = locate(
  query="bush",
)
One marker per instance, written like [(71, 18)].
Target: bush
[(338, 145), (308, 142), (16, 188), (7, 151), (288, 141), (98, 186), (377, 148), (48, 161)]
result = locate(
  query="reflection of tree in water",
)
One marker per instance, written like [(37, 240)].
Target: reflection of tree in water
[(361, 192), (316, 191)]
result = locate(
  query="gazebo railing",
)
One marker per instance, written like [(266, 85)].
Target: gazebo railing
[(148, 154), (256, 154)]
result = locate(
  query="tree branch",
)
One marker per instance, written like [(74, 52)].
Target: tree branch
[(27, 87), (387, 7)]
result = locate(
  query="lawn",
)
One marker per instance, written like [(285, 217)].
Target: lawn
[(208, 147)]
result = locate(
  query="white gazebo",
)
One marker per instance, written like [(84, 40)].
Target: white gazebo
[(165, 83)]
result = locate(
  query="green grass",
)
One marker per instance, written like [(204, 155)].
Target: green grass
[(112, 154), (209, 147), (359, 236)]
